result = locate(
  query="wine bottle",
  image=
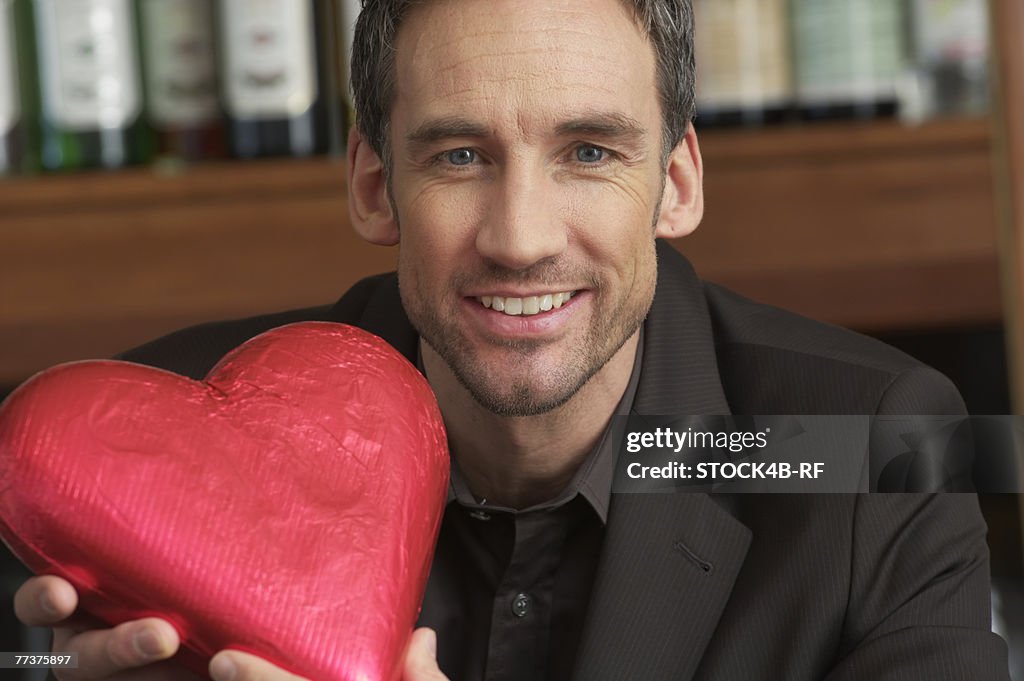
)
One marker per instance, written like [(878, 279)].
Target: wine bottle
[(850, 57), (951, 47), (18, 133), (180, 76), (276, 77), (90, 83), (743, 62)]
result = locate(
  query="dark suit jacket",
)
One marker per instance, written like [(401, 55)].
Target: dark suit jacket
[(722, 587)]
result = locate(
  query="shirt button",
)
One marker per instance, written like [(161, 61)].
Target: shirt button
[(520, 605)]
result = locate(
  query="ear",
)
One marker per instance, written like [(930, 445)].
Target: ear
[(682, 203), (368, 206)]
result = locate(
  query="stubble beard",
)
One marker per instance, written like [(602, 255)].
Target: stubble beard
[(606, 335)]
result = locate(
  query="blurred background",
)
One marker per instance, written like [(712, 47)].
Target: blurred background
[(168, 162)]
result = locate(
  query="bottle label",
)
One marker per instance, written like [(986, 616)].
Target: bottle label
[(270, 58), (10, 108), (848, 50), (89, 66), (180, 67), (951, 30), (742, 51), (952, 52)]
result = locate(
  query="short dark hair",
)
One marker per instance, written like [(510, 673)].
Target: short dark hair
[(668, 24)]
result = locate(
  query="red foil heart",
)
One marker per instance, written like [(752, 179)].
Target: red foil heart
[(287, 506)]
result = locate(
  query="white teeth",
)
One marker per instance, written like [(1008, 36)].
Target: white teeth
[(530, 305)]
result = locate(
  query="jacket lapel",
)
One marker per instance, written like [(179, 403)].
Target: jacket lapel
[(669, 560), (666, 573)]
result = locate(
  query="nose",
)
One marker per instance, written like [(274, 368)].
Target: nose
[(524, 225)]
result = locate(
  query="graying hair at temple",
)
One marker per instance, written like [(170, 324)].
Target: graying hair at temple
[(668, 24)]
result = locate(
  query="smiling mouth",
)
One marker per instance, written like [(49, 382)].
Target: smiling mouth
[(527, 306)]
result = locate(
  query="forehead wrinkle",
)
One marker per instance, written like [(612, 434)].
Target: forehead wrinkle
[(556, 22), (504, 93), (531, 79), (511, 103), (537, 69), (558, 52)]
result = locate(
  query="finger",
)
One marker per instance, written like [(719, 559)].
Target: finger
[(421, 657), (105, 652), (45, 601), (234, 665)]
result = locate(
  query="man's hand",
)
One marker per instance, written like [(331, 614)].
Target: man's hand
[(420, 663), (128, 652), (421, 658), (134, 651)]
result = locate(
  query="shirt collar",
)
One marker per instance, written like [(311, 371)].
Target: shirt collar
[(593, 480)]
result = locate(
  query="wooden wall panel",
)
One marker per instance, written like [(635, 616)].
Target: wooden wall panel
[(93, 264), (872, 226)]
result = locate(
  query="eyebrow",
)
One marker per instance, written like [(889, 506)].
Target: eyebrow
[(605, 125), (444, 128)]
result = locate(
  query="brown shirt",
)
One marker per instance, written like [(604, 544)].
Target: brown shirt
[(509, 589)]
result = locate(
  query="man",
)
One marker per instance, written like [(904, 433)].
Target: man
[(526, 154)]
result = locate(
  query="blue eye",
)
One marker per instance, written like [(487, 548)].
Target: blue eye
[(589, 154), (460, 157)]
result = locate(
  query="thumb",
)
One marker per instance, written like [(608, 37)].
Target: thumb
[(421, 658)]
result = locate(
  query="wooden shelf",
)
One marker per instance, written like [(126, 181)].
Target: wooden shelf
[(872, 226), (90, 264)]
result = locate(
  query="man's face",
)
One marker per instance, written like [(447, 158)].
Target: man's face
[(526, 143)]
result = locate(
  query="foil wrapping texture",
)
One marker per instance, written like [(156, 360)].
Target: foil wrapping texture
[(287, 506)]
